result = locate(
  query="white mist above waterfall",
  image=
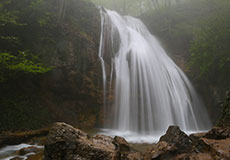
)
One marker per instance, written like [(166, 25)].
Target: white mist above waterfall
[(150, 91)]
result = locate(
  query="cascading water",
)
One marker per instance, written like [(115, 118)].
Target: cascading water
[(151, 92)]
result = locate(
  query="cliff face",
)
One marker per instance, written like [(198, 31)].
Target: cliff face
[(63, 34), (72, 90)]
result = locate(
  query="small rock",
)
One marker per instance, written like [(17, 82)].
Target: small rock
[(218, 148), (161, 150), (123, 144), (134, 156)]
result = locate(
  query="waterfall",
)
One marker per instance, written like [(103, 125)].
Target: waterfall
[(150, 91)]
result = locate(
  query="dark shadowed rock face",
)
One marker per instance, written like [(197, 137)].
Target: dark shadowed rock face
[(178, 138)]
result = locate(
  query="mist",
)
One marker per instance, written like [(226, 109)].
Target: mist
[(107, 79)]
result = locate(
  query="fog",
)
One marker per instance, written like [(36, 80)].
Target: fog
[(135, 7)]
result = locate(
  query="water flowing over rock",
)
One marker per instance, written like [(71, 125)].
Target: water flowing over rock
[(151, 92)]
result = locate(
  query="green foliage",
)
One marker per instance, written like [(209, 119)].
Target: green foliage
[(197, 34), (210, 49), (16, 19), (175, 25), (60, 33), (6, 16), (10, 65), (225, 107), (135, 7), (128, 7), (198, 30)]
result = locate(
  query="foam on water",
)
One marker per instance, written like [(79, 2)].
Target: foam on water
[(133, 137)]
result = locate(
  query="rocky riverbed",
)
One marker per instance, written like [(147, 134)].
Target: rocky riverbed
[(64, 142)]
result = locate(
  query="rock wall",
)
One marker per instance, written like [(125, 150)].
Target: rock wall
[(63, 34)]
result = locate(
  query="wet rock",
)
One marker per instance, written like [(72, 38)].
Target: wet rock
[(178, 138), (219, 149), (27, 150), (37, 156), (17, 158), (197, 136), (9, 138), (122, 144), (125, 150), (193, 156), (201, 147), (216, 143), (41, 141), (66, 142), (134, 156), (161, 150), (218, 133)]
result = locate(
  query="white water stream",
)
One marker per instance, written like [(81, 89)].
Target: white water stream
[(9, 152), (151, 92)]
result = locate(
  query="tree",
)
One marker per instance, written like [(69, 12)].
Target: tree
[(210, 48), (131, 7), (12, 60)]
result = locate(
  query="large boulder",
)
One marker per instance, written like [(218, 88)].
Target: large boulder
[(178, 138), (66, 142)]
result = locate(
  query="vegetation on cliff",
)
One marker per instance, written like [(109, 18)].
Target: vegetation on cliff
[(49, 69), (48, 59), (225, 107), (196, 34)]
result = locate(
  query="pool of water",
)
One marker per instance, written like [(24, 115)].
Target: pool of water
[(138, 141)]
